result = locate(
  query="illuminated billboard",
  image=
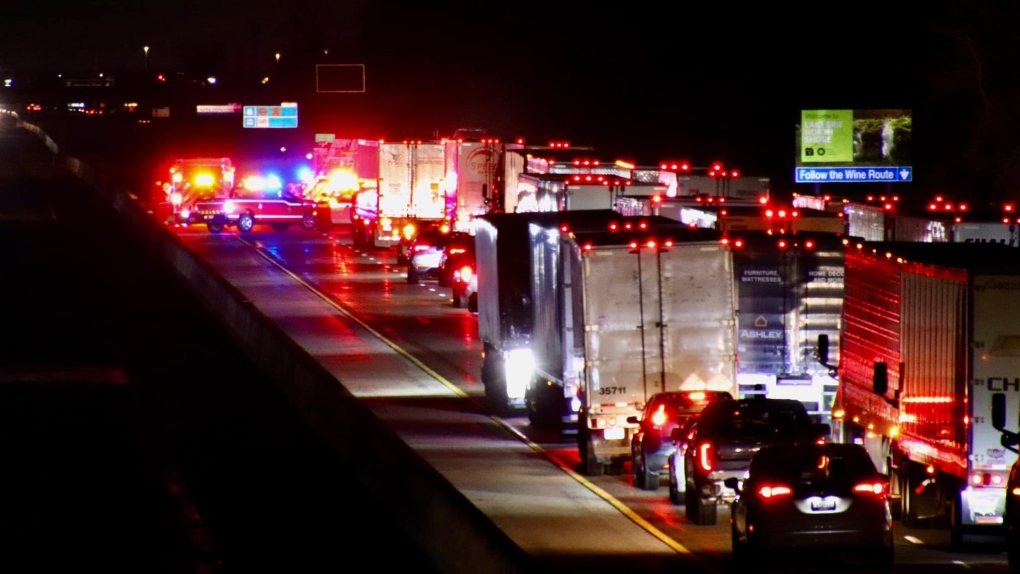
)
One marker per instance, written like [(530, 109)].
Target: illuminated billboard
[(854, 146), (282, 116)]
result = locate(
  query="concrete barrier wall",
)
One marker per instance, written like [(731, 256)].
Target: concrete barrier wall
[(455, 534)]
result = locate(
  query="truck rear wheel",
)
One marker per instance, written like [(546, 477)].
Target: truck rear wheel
[(590, 464), (216, 224), (701, 512), (246, 222)]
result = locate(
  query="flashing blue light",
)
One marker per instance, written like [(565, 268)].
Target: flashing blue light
[(273, 182), (305, 174)]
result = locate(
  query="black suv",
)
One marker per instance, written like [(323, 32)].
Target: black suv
[(728, 435), (653, 442)]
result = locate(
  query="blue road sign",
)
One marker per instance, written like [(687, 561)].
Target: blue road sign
[(284, 116), (853, 174)]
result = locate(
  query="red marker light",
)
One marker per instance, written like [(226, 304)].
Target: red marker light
[(809, 244), (613, 226), (656, 199), (651, 243)]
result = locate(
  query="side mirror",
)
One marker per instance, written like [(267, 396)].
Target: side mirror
[(881, 378), (734, 483), (822, 349), (999, 411)]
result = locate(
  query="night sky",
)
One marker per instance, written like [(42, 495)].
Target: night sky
[(645, 81)]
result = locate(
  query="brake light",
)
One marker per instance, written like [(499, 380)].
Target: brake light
[(421, 247), (465, 273), (457, 250), (877, 488), (660, 418), (774, 491), (705, 456)]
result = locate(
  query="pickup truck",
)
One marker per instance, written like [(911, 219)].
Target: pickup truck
[(244, 210)]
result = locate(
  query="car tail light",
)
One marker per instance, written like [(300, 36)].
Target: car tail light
[(774, 491), (706, 458), (421, 246), (872, 487), (465, 273), (457, 250), (987, 479), (660, 418)]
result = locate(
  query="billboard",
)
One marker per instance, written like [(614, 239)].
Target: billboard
[(854, 146)]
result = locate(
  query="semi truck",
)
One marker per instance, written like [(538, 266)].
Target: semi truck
[(929, 337), (505, 300), (476, 165), (644, 311), (413, 191), (789, 292)]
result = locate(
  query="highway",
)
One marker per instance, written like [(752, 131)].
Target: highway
[(402, 351), (136, 436)]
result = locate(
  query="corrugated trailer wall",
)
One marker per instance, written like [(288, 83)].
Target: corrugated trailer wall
[(871, 332), (933, 383)]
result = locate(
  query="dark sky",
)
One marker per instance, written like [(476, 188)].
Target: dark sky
[(703, 81)]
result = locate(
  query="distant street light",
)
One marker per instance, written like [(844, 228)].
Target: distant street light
[(146, 50), (277, 57)]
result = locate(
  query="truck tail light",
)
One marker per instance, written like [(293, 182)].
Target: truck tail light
[(987, 479), (465, 273), (706, 458)]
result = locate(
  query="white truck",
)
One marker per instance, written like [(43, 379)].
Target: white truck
[(506, 312), (412, 191), (929, 337), (642, 311), (477, 164), (987, 232), (789, 291)]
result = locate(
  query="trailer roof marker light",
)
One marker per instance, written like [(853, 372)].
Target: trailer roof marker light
[(614, 226), (643, 225), (588, 246), (651, 244), (633, 245)]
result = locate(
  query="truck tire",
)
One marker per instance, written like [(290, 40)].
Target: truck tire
[(216, 224), (542, 402), (706, 513), (676, 494), (472, 303), (308, 222), (496, 400), (246, 222), (908, 510), (643, 478), (590, 465)]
